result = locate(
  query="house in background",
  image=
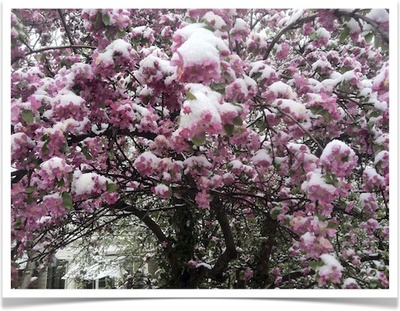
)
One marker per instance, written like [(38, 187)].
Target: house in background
[(109, 271)]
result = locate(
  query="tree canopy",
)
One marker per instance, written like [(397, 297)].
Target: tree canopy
[(249, 146)]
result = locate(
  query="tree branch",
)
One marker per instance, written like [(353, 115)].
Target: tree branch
[(60, 48), (71, 41), (230, 252), (285, 30), (384, 35), (301, 127), (16, 176)]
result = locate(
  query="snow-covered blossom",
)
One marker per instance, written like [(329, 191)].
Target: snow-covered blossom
[(198, 57), (162, 191), (372, 179), (318, 189), (350, 283), (204, 112), (331, 271), (89, 183), (313, 246), (53, 170), (262, 158), (339, 158), (368, 203), (240, 30)]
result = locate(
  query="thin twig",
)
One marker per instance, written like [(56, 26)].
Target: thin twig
[(60, 48), (301, 127), (71, 41)]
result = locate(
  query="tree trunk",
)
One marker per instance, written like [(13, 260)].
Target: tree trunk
[(261, 275)]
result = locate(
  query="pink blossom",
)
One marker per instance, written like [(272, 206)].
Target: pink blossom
[(248, 274), (331, 271), (383, 280), (162, 191), (338, 158), (203, 199)]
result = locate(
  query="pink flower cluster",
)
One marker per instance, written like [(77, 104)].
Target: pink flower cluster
[(350, 283), (339, 158), (239, 31), (315, 235), (282, 51), (51, 143), (148, 164), (162, 191), (21, 145), (350, 256), (326, 103), (104, 24), (117, 56), (318, 189), (314, 246), (52, 171), (278, 276), (372, 180), (331, 271), (53, 207), (204, 71), (240, 90), (156, 72), (303, 162), (203, 199), (371, 225), (226, 15), (197, 54), (369, 203), (382, 162), (142, 33)]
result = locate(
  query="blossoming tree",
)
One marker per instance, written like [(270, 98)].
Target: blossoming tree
[(252, 144)]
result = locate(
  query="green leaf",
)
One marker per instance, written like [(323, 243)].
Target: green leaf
[(237, 121), (261, 124), (275, 212), (330, 179), (378, 42), (332, 225), (106, 19), (29, 198), (344, 34), (98, 21), (314, 265), (86, 153), (313, 36), (18, 223), (67, 200), (111, 154), (27, 116), (326, 115), (318, 110), (30, 190), (373, 283), (219, 87), (111, 187), (209, 27), (368, 37), (375, 114), (44, 147), (229, 129), (121, 34), (199, 140), (61, 182), (190, 96)]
